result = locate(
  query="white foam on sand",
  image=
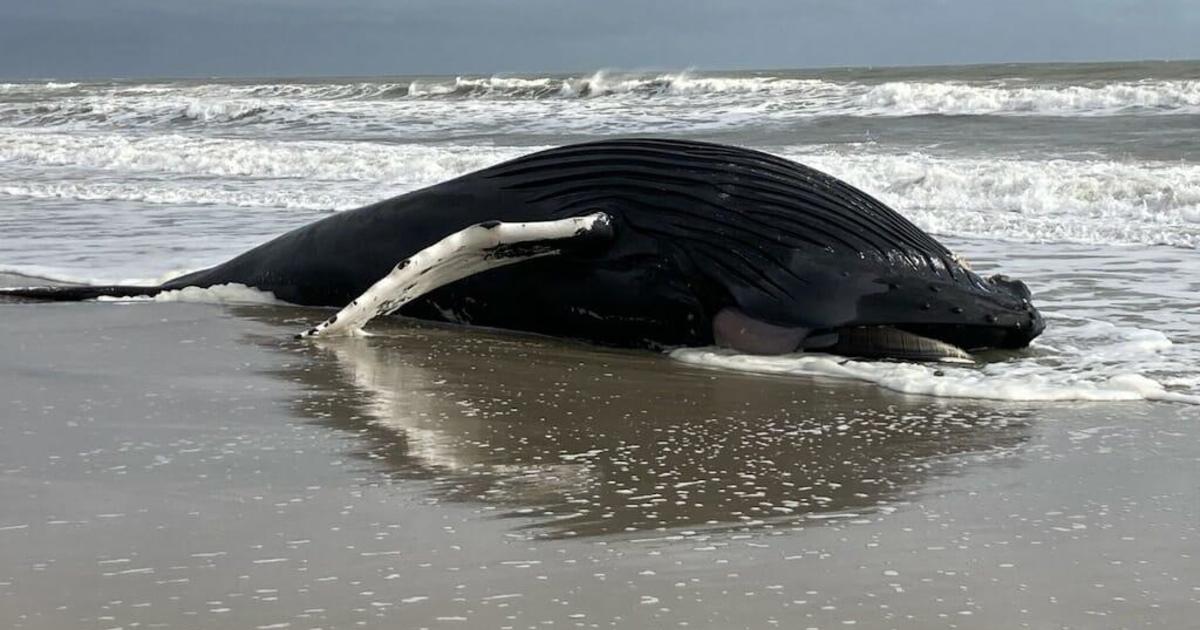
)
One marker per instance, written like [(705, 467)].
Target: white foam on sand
[(232, 293), (1092, 361)]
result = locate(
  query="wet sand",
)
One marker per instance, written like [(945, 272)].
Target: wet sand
[(192, 466)]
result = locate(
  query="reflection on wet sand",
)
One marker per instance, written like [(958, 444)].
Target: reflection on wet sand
[(587, 441)]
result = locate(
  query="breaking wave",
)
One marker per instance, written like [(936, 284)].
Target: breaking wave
[(948, 99), (1032, 200), (184, 104)]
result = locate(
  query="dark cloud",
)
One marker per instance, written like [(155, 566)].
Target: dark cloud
[(70, 38)]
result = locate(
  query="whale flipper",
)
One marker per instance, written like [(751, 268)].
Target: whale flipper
[(464, 253)]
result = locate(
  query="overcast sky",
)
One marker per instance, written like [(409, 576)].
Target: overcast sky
[(124, 38)]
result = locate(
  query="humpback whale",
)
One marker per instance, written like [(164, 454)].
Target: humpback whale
[(641, 243)]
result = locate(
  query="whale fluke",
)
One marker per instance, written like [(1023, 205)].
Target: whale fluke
[(76, 293)]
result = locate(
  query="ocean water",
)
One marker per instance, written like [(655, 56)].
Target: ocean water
[(1082, 179)]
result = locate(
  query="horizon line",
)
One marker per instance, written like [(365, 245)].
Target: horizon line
[(615, 69)]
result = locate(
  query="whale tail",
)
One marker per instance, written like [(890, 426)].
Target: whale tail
[(74, 293)]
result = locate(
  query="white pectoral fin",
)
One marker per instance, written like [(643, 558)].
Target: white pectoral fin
[(466, 252)]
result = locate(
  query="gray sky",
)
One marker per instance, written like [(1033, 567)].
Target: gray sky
[(107, 38)]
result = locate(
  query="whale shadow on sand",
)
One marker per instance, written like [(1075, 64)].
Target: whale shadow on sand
[(580, 441)]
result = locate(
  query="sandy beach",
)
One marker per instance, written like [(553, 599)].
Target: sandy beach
[(191, 465)]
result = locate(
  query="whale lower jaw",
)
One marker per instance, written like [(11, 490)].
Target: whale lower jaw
[(738, 331), (886, 342)]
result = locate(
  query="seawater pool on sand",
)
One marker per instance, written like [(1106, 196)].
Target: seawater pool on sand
[(184, 465)]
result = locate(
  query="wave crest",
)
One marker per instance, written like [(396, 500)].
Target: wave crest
[(781, 96), (948, 99), (1031, 200)]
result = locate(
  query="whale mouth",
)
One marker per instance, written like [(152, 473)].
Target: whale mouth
[(733, 328), (885, 342)]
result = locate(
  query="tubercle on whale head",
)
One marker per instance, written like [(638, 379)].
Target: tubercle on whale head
[(1015, 286), (996, 312), (1024, 321)]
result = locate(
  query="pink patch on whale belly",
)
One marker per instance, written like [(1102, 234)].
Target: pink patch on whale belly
[(734, 329)]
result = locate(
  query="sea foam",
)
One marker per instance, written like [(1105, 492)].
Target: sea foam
[(1100, 201), (232, 293), (223, 103), (1017, 382)]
